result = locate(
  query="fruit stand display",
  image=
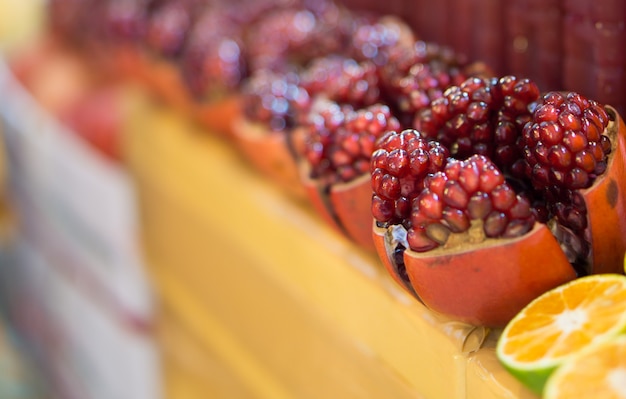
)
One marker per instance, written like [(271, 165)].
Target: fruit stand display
[(329, 199)]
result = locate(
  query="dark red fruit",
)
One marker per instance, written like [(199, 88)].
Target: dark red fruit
[(374, 40), (276, 100), (339, 141), (296, 35), (343, 80), (466, 193), (564, 146), (416, 75), (213, 62), (126, 19), (481, 116), (399, 165), (169, 25), (513, 187)]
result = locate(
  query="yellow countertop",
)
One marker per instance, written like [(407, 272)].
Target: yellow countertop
[(287, 306)]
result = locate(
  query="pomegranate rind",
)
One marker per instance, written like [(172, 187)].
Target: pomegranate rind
[(269, 153), (489, 284), (606, 205), (385, 251), (346, 207), (485, 284), (163, 79), (352, 203)]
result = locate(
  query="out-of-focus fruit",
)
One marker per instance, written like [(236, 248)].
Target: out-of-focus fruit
[(274, 105), (98, 118), (599, 372), (67, 88), (338, 144), (562, 323), (418, 74)]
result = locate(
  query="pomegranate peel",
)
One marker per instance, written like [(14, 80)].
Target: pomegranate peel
[(337, 145), (487, 282), (270, 153), (343, 206), (606, 202)]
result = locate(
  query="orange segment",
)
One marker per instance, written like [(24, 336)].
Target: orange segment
[(561, 323), (599, 372)]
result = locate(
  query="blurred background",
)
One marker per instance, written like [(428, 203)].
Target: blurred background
[(100, 201)]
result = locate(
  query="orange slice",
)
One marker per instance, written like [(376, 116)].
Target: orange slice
[(559, 324), (599, 372)]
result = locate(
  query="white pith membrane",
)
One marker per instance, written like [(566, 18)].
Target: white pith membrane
[(616, 379), (571, 321)]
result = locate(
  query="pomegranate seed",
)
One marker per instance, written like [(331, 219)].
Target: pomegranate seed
[(495, 224)]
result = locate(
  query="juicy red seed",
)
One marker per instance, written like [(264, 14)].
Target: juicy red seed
[(490, 178), (382, 209), (575, 141), (570, 121), (454, 195), (456, 219), (389, 187), (577, 178), (547, 113), (495, 224), (550, 133), (516, 228), (398, 162), (438, 233), (436, 183), (478, 112), (560, 157), (469, 178), (521, 209), (503, 197), (419, 162), (479, 205), (419, 241), (430, 204), (402, 207)]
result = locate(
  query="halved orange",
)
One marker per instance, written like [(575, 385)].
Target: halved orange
[(599, 372), (560, 323)]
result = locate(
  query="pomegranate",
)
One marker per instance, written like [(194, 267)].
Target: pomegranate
[(295, 35), (338, 142), (417, 74), (273, 104), (498, 195)]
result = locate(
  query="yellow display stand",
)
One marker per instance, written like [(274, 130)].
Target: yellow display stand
[(260, 299)]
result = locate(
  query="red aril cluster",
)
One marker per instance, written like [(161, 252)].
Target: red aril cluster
[(343, 80), (564, 145), (213, 60), (419, 74), (296, 35), (399, 165), (276, 100), (481, 116), (168, 26), (339, 141), (466, 192), (374, 40)]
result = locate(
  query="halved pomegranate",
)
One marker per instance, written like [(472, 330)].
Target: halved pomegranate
[(337, 145), (336, 173), (274, 104), (529, 198)]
